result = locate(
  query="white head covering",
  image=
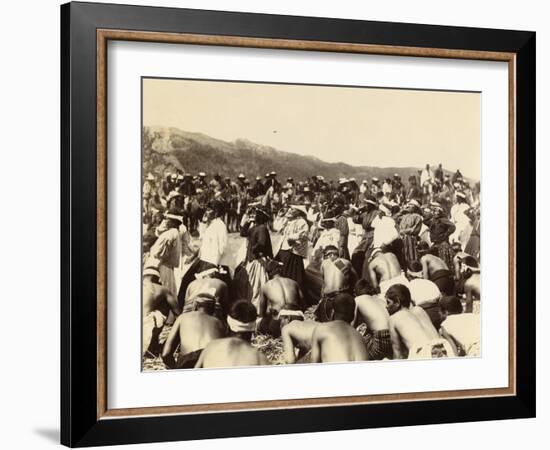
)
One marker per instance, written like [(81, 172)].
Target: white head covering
[(423, 291)]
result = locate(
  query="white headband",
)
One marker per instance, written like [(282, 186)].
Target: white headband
[(291, 313), (239, 327)]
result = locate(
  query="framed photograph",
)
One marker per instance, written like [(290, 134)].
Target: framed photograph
[(278, 224)]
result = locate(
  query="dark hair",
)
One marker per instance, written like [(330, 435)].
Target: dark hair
[(451, 304), (207, 307), (344, 307), (363, 287), (243, 311), (470, 261), (415, 266), (330, 248), (399, 293), (423, 247), (273, 268)]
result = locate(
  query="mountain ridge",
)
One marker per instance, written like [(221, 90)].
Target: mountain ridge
[(169, 148)]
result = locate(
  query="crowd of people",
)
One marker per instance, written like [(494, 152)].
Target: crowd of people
[(337, 270)]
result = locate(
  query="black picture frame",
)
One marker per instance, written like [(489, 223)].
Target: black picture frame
[(80, 425)]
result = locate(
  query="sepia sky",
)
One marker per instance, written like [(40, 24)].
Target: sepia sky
[(359, 126)]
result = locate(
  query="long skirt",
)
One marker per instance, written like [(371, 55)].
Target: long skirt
[(167, 278), (248, 282), (445, 252), (293, 266), (409, 248)]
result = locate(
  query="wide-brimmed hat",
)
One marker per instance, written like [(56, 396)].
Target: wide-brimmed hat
[(202, 174), (241, 176)]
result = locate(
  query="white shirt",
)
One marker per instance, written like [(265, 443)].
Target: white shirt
[(214, 241), (385, 231), (464, 328)]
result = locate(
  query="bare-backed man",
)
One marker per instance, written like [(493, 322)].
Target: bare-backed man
[(277, 294), (193, 331), (337, 340), (235, 350), (436, 270), (338, 277), (412, 333), (372, 311), (158, 302), (208, 282), (384, 270)]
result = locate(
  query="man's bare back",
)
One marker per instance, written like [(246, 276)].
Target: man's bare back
[(202, 286), (278, 293), (158, 298), (336, 275), (193, 331), (372, 311), (337, 341), (384, 267), (431, 264), (230, 352), (297, 335), (410, 328)]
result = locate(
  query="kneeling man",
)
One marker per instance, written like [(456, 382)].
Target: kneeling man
[(412, 334), (235, 350), (193, 331), (337, 340)]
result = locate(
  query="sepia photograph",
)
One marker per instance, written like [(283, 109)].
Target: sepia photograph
[(298, 224)]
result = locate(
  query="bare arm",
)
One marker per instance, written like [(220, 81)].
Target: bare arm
[(288, 346), (315, 347), (173, 303), (425, 269), (262, 302), (372, 277), (200, 361), (395, 342), (451, 341), (170, 345)]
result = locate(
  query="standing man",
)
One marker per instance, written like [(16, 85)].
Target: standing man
[(294, 244), (166, 251), (426, 182), (214, 242)]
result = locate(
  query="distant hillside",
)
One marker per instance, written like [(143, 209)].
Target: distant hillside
[(171, 148)]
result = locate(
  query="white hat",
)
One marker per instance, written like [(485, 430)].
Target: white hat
[(241, 175), (364, 181), (414, 202), (151, 271), (342, 180), (375, 179), (352, 179), (150, 177), (423, 291), (202, 174), (173, 217), (461, 194)]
